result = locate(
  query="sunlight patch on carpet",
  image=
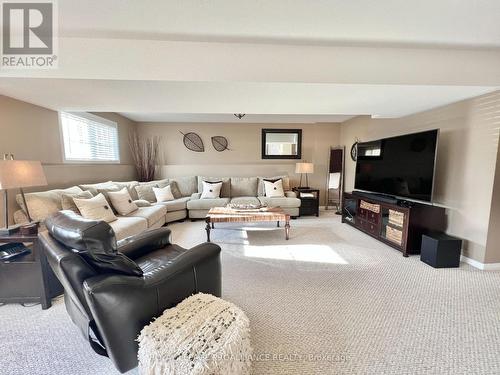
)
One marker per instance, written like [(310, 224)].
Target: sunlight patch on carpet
[(300, 253)]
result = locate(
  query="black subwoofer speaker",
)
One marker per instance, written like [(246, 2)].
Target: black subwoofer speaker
[(440, 250)]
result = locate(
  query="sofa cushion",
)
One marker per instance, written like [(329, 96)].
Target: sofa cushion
[(174, 189), (122, 201), (226, 185), (152, 214), (95, 208), (101, 185), (176, 204), (142, 203), (211, 190), (184, 186), (127, 226), (261, 190), (68, 203), (45, 203), (245, 200), (280, 202), (206, 204), (163, 194), (145, 189), (130, 185), (274, 188), (106, 192), (244, 186)]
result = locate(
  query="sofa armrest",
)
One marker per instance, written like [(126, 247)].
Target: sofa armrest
[(290, 194), (195, 196), (122, 305), (143, 243), (20, 217), (142, 203)]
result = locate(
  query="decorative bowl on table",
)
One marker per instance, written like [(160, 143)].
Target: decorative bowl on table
[(245, 207)]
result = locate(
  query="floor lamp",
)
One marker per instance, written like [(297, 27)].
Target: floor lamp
[(18, 174)]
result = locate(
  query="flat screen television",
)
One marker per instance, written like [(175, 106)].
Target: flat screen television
[(400, 166)]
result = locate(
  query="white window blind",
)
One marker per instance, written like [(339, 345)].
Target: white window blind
[(89, 138)]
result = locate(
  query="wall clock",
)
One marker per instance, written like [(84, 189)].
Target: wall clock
[(354, 151)]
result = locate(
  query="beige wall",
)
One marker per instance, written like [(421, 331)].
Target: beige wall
[(244, 158), (493, 241), (32, 133), (467, 154)]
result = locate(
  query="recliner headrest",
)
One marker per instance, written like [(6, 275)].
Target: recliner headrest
[(94, 240), (81, 234)]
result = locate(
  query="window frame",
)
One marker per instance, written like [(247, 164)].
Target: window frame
[(91, 117)]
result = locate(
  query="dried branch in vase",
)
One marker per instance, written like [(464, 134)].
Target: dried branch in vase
[(145, 152)]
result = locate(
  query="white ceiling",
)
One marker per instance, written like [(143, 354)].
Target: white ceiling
[(427, 22), (162, 101), (231, 118), (278, 61)]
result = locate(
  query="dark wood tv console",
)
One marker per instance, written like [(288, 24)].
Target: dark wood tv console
[(399, 224)]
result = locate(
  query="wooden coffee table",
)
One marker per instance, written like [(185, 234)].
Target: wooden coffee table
[(230, 215)]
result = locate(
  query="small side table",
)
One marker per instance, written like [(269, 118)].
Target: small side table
[(27, 278), (309, 204)]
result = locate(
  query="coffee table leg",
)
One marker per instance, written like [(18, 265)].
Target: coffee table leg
[(287, 229), (213, 226), (278, 224), (207, 228)]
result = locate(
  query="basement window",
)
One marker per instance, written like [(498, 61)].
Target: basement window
[(89, 139)]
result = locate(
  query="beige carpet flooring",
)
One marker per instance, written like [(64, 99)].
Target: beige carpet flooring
[(329, 301)]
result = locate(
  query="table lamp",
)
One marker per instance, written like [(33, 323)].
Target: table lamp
[(19, 174), (304, 168)]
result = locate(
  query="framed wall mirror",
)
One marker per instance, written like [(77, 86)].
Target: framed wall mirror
[(281, 143)]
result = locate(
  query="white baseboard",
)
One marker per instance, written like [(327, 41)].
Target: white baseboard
[(479, 265)]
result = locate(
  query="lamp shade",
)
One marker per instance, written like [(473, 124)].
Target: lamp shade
[(21, 173), (304, 168)]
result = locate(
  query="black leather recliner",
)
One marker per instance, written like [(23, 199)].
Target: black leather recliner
[(112, 290)]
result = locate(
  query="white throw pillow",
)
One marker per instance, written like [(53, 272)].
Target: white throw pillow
[(163, 194), (96, 208), (274, 189), (211, 190), (122, 201)]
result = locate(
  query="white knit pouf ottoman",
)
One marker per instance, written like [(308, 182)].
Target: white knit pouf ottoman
[(201, 335)]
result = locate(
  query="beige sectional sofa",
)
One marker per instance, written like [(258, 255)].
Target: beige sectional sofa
[(43, 204), (151, 214), (241, 190)]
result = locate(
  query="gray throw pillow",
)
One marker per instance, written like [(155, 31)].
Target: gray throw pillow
[(145, 191), (68, 203), (175, 190), (102, 185), (244, 186)]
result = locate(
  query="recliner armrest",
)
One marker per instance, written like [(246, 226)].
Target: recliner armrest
[(143, 243), (193, 257), (290, 194)]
